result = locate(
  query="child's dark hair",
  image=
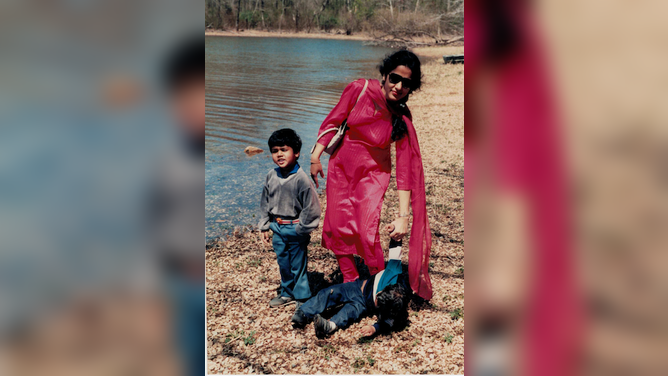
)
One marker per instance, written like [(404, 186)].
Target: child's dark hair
[(392, 305), (184, 63), (390, 63), (286, 137)]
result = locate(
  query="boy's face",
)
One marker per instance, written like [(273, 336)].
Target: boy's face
[(284, 156)]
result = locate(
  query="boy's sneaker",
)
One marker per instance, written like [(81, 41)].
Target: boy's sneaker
[(323, 327), (299, 319), (280, 301)]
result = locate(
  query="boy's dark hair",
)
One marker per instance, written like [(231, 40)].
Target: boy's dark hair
[(185, 63), (286, 137), (392, 307), (389, 63)]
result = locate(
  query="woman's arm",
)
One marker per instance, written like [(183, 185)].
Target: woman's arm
[(316, 166), (401, 223), (341, 111), (404, 185)]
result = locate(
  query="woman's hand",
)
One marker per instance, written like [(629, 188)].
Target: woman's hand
[(316, 168), (398, 228), (368, 330)]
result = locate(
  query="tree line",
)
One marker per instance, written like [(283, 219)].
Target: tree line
[(381, 18)]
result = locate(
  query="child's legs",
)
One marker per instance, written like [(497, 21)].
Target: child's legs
[(348, 267), (298, 264), (283, 258), (330, 297), (349, 313)]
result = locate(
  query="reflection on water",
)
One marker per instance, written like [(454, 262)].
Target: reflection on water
[(255, 86)]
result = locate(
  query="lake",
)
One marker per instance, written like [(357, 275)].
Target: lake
[(255, 86)]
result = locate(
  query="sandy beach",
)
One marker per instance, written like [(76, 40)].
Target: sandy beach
[(245, 336)]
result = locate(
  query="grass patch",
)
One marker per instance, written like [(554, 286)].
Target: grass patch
[(254, 262), (328, 351), (456, 314), (240, 334), (250, 339), (364, 340)]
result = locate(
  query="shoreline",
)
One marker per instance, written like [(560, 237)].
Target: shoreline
[(286, 34), (419, 42)]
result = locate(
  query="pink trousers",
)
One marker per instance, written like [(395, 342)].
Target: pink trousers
[(348, 267)]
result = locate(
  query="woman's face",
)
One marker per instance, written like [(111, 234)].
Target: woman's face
[(394, 87)]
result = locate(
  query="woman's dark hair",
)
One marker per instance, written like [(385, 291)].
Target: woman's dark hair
[(407, 59), (392, 305), (390, 63), (286, 137)]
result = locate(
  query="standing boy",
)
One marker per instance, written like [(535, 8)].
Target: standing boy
[(290, 208)]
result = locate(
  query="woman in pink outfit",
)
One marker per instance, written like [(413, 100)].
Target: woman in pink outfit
[(359, 172)]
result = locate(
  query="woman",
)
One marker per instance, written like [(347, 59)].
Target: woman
[(359, 172)]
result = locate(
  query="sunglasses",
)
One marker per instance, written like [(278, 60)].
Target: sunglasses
[(405, 82)]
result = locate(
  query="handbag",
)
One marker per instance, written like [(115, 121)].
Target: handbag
[(340, 131)]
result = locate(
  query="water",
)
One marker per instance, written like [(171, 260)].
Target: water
[(255, 86)]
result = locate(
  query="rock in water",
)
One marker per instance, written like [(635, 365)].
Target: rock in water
[(252, 150)]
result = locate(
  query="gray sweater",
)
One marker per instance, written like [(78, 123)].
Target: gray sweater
[(291, 197)]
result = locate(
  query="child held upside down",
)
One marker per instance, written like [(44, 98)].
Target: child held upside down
[(384, 294)]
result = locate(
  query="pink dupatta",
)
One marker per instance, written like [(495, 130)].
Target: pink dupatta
[(419, 246)]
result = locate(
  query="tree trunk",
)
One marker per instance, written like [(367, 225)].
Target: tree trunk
[(296, 19), (417, 4), (280, 21), (391, 9), (238, 12)]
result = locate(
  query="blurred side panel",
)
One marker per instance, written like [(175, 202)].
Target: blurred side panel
[(86, 122), (566, 148), (524, 294)]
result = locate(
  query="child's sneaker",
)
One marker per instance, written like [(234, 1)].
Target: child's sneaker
[(299, 319), (323, 328), (280, 301)]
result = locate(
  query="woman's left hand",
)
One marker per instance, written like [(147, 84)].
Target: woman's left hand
[(400, 226)]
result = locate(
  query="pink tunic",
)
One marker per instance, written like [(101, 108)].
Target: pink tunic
[(358, 176)]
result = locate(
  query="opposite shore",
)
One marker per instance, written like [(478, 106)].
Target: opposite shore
[(340, 35), (287, 34)]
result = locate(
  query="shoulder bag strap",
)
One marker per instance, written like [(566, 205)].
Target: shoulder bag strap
[(366, 84)]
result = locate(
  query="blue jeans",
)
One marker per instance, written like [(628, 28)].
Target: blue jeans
[(292, 260), (349, 294)]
